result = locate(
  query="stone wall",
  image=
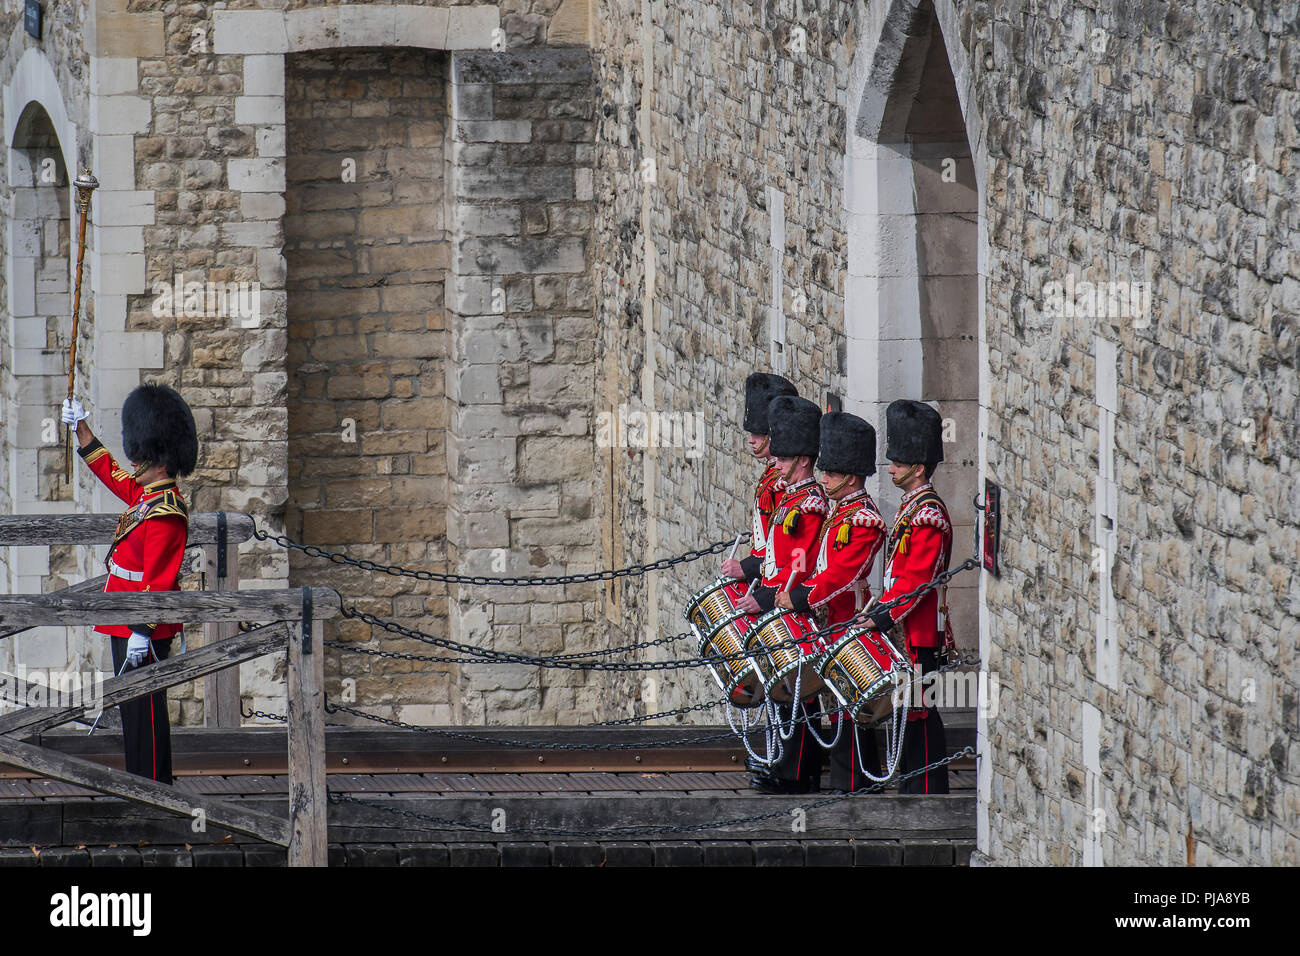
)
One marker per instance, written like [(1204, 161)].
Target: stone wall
[(366, 248), (1108, 148), (707, 93), (521, 442)]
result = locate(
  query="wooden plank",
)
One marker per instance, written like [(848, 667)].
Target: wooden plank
[(306, 733), (125, 607), (887, 816), (28, 530), (221, 697), (91, 586), (118, 783), (146, 680)]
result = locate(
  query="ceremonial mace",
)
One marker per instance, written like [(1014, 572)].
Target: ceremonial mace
[(86, 184)]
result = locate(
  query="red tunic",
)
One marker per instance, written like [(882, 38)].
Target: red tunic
[(791, 539), (850, 540), (769, 490), (150, 538), (920, 545)]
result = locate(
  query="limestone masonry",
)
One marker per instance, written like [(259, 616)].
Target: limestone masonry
[(408, 261)]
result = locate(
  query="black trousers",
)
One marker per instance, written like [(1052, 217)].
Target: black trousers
[(856, 743), (146, 732), (801, 755), (924, 742)]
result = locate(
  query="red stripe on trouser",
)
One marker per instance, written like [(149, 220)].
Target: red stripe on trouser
[(926, 744)]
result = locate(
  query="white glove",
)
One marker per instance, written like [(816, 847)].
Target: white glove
[(181, 645), (137, 649), (72, 411)]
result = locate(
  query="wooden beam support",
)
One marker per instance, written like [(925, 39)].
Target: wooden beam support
[(154, 677), (91, 586), (306, 712), (221, 696), (119, 783), (127, 607), (28, 530)]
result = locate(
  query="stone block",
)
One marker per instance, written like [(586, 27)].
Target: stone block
[(243, 32), (121, 35), (514, 255), (259, 110), (262, 175), (471, 27), (111, 75)]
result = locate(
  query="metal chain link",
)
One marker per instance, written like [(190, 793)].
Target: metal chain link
[(261, 713), (445, 824), (341, 557)]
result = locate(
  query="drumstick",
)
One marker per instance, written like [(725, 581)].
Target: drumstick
[(734, 545)]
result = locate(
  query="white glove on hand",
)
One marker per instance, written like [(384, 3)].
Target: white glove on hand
[(137, 649), (72, 412)]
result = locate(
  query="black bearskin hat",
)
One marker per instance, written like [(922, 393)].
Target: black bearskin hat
[(795, 425), (914, 433), (760, 389), (848, 445), (158, 427)]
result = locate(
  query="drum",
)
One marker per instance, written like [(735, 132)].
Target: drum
[(770, 647), (863, 668), (728, 637), (720, 628), (713, 604)]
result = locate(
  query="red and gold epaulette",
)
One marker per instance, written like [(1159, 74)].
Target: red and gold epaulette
[(933, 516), (865, 515), (813, 501)]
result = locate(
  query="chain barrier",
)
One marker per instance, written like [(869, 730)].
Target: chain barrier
[(342, 557), (656, 829), (582, 661)]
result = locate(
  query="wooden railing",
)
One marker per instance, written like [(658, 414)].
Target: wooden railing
[(291, 621)]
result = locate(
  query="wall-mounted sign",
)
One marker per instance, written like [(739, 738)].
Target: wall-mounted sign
[(992, 526), (32, 18)]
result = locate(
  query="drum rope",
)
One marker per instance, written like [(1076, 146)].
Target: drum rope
[(783, 812), (420, 574)]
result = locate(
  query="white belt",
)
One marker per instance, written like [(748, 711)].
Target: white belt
[(121, 572)]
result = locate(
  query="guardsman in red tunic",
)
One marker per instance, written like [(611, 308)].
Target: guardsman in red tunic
[(918, 550), (760, 389), (838, 589), (788, 560), (161, 442)]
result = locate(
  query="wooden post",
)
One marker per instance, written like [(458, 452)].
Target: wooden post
[(308, 837), (221, 694)]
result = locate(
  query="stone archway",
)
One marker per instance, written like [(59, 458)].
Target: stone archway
[(915, 297)]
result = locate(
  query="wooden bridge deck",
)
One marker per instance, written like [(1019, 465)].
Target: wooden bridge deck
[(593, 796)]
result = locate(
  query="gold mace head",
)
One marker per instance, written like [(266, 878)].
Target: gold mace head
[(86, 183)]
